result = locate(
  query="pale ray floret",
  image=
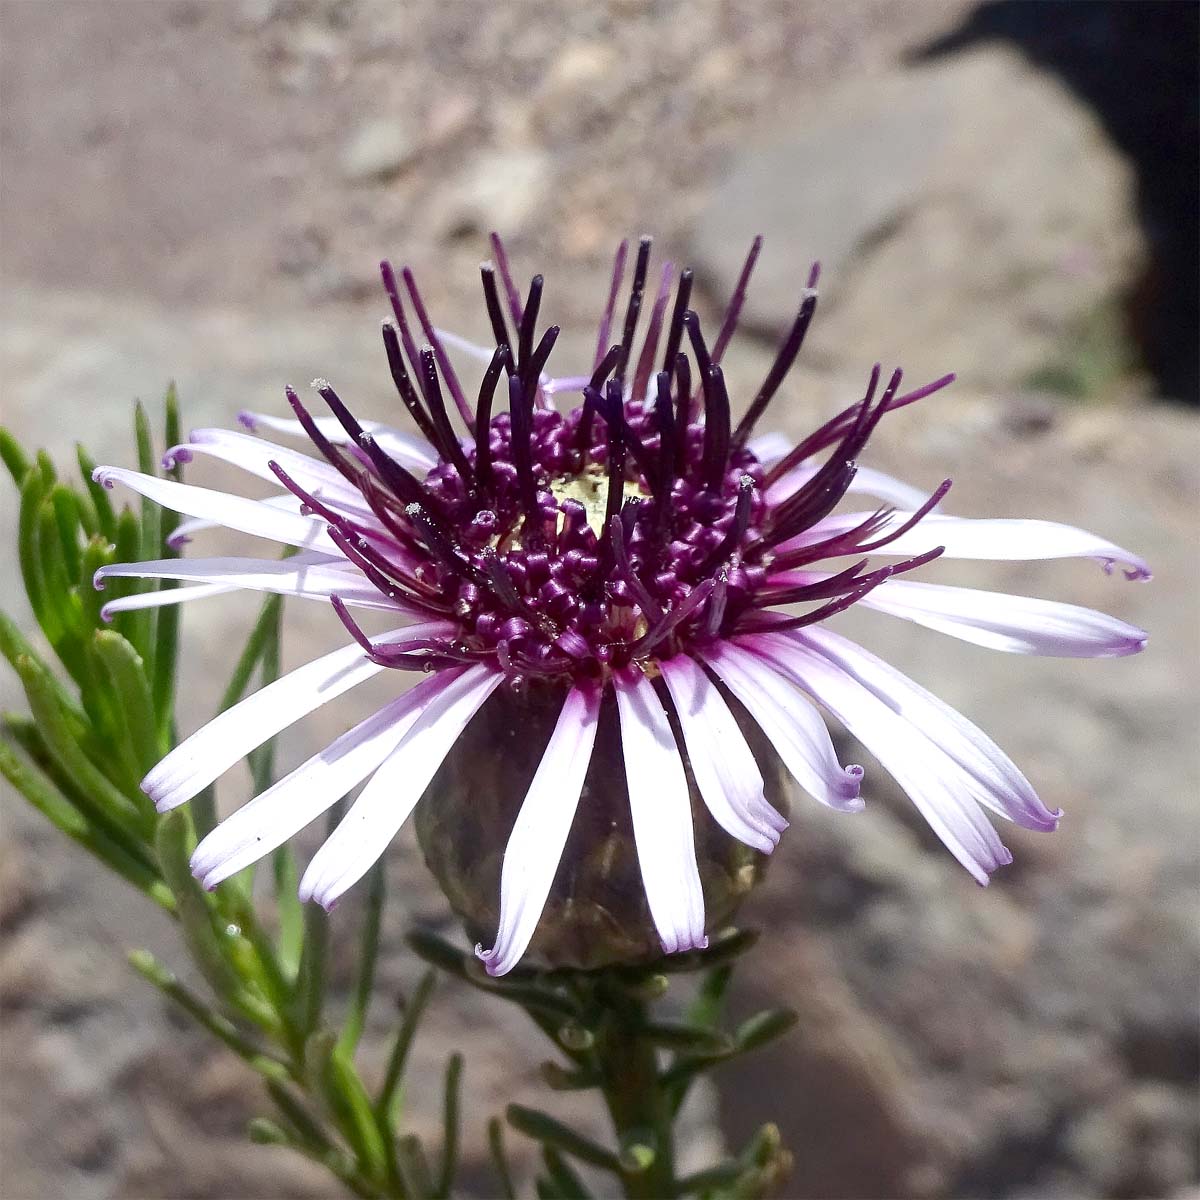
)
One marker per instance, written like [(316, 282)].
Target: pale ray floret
[(662, 814), (536, 843)]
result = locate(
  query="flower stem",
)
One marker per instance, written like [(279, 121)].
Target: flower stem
[(640, 1107)]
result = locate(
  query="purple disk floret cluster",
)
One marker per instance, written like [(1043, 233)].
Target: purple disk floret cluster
[(640, 545)]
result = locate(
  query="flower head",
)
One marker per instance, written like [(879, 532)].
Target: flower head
[(628, 564)]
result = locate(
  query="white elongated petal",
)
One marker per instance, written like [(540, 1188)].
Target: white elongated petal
[(254, 455), (792, 724), (288, 806), (729, 780), (313, 581), (473, 349), (375, 817), (406, 448), (536, 843), (662, 815), (163, 597), (234, 512), (914, 762), (1000, 538), (770, 447), (185, 530), (230, 736), (484, 354), (1016, 624), (993, 778), (866, 482)]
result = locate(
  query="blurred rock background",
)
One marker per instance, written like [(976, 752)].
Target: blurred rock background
[(201, 191)]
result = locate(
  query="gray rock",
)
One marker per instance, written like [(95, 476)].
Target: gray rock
[(498, 189), (380, 150), (968, 215)]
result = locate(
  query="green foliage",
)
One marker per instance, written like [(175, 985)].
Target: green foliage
[(101, 714)]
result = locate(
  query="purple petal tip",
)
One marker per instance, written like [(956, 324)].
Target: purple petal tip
[(246, 419)]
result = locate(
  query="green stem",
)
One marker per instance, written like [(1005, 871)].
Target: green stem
[(640, 1108)]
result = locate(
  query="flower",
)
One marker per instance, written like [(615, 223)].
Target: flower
[(632, 553)]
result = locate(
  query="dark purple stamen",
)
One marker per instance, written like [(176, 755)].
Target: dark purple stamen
[(634, 308), (699, 347), (821, 494), (618, 273), (645, 364), (835, 585), (603, 369), (398, 654), (403, 482), (435, 342), (500, 581), (781, 366), (716, 428), (664, 418), (865, 585), (521, 414), (439, 545), (683, 411), (616, 450), (716, 604), (537, 360), (737, 530), (835, 428), (332, 454), (501, 360), (683, 296), (393, 294), (404, 387), (495, 313), (432, 392), (528, 322), (506, 277), (616, 534), (734, 309), (692, 603), (383, 575)]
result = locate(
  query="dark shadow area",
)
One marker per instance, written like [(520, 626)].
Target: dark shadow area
[(1138, 66)]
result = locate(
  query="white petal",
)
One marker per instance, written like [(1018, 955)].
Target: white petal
[(473, 349), (792, 724), (1017, 624), (375, 817), (723, 765), (231, 735), (913, 761), (536, 843), (993, 778), (234, 512), (286, 807), (185, 530), (866, 482), (990, 538), (565, 383), (253, 454), (406, 448), (770, 447), (312, 581), (662, 815), (163, 597)]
